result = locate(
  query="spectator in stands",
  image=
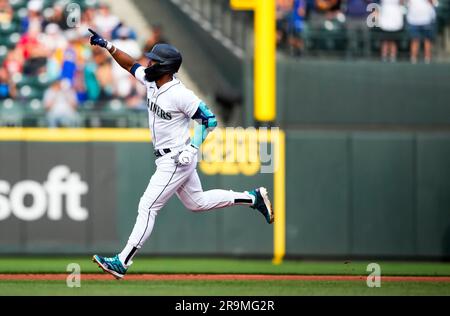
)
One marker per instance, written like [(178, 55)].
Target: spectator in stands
[(14, 61), (56, 43), (34, 52), (33, 22), (283, 14), (296, 25), (421, 24), (6, 12), (69, 65), (86, 83), (390, 21), (326, 11), (328, 7), (28, 43), (88, 17), (103, 73), (125, 39), (60, 101), (93, 88), (115, 33), (74, 55), (82, 47), (355, 8), (156, 37), (137, 99), (104, 21), (122, 81), (58, 16), (356, 23), (53, 37), (7, 86), (79, 85), (83, 56)]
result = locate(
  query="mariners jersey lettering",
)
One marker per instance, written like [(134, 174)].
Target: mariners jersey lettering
[(158, 111), (170, 109)]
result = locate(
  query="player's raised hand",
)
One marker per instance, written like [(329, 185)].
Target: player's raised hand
[(96, 39)]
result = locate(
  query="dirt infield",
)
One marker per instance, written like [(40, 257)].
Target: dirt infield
[(218, 277)]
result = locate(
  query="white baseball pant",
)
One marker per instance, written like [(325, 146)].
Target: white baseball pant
[(185, 182)]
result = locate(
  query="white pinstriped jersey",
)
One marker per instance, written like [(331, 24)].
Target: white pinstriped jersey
[(170, 109)]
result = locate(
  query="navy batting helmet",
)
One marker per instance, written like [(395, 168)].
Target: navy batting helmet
[(168, 61)]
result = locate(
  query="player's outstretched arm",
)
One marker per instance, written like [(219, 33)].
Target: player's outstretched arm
[(122, 58)]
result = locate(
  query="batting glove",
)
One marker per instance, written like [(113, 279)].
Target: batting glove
[(97, 40), (186, 157)]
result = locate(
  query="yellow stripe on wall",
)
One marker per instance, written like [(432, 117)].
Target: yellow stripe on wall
[(75, 135)]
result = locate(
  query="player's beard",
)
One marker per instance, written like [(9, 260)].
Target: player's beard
[(153, 73)]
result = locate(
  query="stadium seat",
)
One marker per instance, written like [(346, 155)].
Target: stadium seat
[(49, 3), (443, 14), (19, 14), (34, 114), (137, 119), (10, 40), (31, 87), (26, 81), (114, 114), (11, 113), (330, 36), (376, 36), (28, 92), (18, 4), (3, 53), (8, 29), (33, 81), (89, 117), (333, 36)]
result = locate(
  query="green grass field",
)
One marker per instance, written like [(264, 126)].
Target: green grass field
[(36, 265)]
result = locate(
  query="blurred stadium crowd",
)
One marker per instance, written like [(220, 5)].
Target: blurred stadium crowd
[(361, 27), (51, 76), (49, 73)]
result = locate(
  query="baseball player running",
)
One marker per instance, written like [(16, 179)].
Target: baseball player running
[(171, 106)]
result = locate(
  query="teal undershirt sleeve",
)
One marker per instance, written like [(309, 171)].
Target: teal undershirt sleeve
[(206, 122), (200, 134)]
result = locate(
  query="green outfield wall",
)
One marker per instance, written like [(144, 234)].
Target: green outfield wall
[(368, 194), (320, 92), (349, 194), (325, 92)]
